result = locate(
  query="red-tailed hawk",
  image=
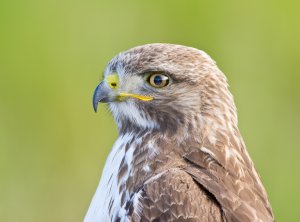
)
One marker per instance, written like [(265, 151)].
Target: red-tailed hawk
[(179, 155)]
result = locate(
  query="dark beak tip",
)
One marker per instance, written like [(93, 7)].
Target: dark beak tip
[(95, 106), (96, 99), (101, 95)]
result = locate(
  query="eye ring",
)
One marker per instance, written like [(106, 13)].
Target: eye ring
[(158, 80)]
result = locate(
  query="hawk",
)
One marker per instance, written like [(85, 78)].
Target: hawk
[(179, 155)]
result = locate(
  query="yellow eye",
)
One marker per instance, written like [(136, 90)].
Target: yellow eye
[(158, 80)]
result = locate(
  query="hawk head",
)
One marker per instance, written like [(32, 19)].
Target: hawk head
[(166, 87), (175, 103)]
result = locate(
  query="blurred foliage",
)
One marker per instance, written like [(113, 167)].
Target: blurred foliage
[(52, 53)]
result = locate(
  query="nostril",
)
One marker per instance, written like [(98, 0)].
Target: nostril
[(112, 81)]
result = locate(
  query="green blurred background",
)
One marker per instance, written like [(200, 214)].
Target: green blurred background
[(52, 53)]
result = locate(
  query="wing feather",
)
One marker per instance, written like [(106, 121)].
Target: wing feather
[(175, 196), (239, 196)]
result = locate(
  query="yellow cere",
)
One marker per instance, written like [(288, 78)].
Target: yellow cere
[(112, 81)]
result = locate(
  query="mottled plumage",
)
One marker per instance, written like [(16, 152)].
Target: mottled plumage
[(179, 155)]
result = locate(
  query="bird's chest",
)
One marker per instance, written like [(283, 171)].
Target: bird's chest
[(123, 171)]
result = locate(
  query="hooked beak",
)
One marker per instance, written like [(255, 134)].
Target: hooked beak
[(104, 94)]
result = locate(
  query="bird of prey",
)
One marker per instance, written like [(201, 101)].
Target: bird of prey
[(179, 155)]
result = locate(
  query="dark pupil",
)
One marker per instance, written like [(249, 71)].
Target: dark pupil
[(157, 80)]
